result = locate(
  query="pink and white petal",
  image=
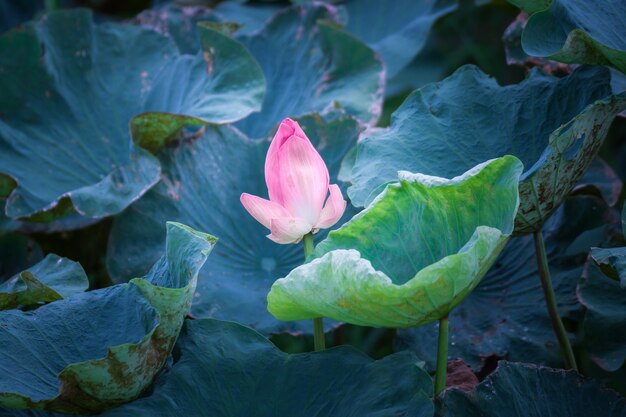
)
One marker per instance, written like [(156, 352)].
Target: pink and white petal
[(287, 129), (288, 229), (333, 209), (261, 209), (303, 179)]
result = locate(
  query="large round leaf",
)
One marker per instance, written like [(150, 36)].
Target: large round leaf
[(54, 278), (397, 30), (311, 65), (605, 319), (225, 369), (506, 316), (94, 350), (517, 389), (202, 182), (68, 90), (576, 31), (448, 127), (411, 255)]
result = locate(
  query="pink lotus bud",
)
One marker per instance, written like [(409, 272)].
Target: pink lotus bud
[(298, 186)]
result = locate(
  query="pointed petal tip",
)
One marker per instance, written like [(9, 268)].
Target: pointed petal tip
[(333, 209)]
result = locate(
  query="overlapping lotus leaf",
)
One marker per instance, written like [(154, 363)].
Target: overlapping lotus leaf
[(396, 30), (69, 89), (202, 182), (217, 358), (309, 63), (98, 349), (505, 315), (605, 319), (223, 368), (555, 126), (412, 255), (576, 31), (517, 389), (311, 66), (54, 278)]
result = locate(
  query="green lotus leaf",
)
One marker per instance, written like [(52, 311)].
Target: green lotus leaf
[(223, 369), (410, 256), (396, 30), (17, 252), (311, 66), (605, 319), (576, 31), (94, 350), (505, 315), (54, 278), (447, 127), (518, 389), (69, 89), (202, 182)]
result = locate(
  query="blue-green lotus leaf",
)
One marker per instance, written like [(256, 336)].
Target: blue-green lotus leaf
[(605, 319), (412, 255), (98, 349), (54, 278), (202, 182), (518, 389), (17, 252), (554, 126), (69, 89), (311, 66), (309, 63), (225, 369), (505, 315), (179, 22), (576, 31), (251, 17), (396, 30)]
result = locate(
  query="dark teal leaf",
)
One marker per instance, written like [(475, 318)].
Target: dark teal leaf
[(225, 369), (517, 389), (446, 128), (506, 315), (605, 319), (396, 30), (577, 31), (612, 262), (602, 180), (98, 349), (250, 16), (202, 182), (178, 22), (68, 90), (311, 66), (54, 278)]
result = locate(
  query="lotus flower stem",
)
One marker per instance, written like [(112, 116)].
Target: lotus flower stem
[(319, 341), (442, 356), (548, 291)]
